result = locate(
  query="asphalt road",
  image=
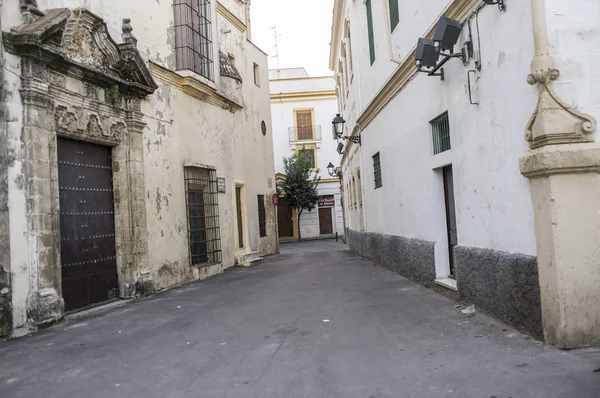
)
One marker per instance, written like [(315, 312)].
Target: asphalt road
[(308, 324)]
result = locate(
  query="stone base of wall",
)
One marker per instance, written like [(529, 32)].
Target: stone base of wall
[(505, 285), (5, 315), (412, 258)]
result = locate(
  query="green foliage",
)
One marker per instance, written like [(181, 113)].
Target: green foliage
[(300, 187), (112, 96)]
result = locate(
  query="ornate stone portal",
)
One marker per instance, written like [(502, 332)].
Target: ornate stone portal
[(78, 83)]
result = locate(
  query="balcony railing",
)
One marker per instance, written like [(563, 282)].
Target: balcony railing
[(305, 133)]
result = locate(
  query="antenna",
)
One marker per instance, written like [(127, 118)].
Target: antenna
[(276, 56)]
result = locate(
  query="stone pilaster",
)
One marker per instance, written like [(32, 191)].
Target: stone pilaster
[(44, 304), (563, 167), (5, 280)]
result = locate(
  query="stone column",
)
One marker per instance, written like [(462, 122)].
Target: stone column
[(5, 279), (563, 167), (44, 303)]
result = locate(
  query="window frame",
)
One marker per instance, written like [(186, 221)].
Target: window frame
[(256, 70), (378, 179), (312, 126), (197, 180), (370, 31), (394, 14), (440, 133), (312, 148)]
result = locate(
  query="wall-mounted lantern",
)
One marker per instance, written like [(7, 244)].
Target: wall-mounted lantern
[(501, 3), (338, 124), (331, 170)]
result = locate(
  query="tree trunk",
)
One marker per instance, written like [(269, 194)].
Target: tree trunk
[(299, 231)]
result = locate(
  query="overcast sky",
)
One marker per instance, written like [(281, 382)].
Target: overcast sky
[(303, 32)]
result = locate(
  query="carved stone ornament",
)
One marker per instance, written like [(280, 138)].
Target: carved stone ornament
[(554, 121), (80, 123), (78, 42), (56, 79), (227, 68)]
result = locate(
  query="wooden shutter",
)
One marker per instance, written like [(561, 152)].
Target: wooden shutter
[(370, 29), (394, 14), (304, 125)]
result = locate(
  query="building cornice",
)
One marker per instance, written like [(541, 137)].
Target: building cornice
[(301, 78), (192, 87), (323, 95), (228, 15)]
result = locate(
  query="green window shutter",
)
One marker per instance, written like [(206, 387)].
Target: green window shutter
[(377, 171), (394, 14), (370, 29)]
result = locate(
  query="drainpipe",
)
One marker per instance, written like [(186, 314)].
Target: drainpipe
[(563, 167)]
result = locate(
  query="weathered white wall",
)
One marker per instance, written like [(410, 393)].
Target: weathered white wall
[(19, 239), (493, 203), (573, 32), (179, 129)]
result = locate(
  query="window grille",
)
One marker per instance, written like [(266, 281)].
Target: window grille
[(203, 216), (262, 216), (394, 14), (240, 218), (440, 129), (377, 171), (370, 31), (193, 37)]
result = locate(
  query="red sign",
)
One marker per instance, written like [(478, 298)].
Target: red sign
[(275, 199), (326, 201)]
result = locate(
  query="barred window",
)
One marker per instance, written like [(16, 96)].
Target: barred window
[(262, 216), (193, 37), (440, 130), (203, 216)]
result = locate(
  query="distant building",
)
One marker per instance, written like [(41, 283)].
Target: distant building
[(302, 109), (452, 156), (136, 154)]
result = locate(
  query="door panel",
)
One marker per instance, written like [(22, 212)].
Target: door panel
[(450, 214), (87, 225), (325, 221), (285, 219)]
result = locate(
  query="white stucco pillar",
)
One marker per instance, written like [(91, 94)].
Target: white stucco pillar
[(563, 167)]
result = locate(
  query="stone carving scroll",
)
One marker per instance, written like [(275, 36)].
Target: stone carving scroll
[(81, 123)]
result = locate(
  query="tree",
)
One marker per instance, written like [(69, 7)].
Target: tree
[(300, 187)]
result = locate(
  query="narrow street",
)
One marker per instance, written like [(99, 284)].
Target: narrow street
[(317, 322)]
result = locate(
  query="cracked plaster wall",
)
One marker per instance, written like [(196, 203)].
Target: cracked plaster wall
[(179, 129)]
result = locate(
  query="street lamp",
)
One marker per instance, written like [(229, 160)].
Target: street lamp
[(338, 126), (331, 169)]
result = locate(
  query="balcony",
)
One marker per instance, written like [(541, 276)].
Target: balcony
[(305, 133)]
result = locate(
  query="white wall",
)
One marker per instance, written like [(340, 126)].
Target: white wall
[(493, 203)]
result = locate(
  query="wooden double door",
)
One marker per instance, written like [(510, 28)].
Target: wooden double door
[(87, 224)]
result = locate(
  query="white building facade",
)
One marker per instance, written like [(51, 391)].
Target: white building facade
[(136, 153), (302, 109), (437, 190)]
